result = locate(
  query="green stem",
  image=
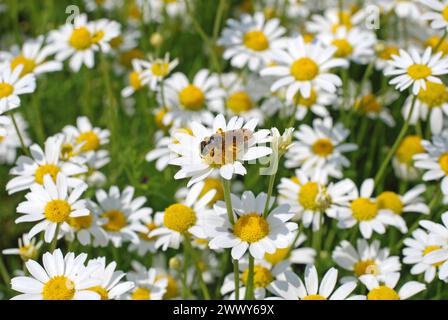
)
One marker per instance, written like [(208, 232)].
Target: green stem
[(22, 141), (250, 280), (54, 242), (236, 279), (4, 272), (218, 18), (437, 47), (401, 135), (202, 283), (228, 199), (268, 198)]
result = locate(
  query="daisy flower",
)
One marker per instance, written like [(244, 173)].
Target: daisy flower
[(149, 284), (403, 162), (316, 103), (223, 147), (9, 140), (158, 69), (302, 66), (91, 138), (402, 8), (95, 161), (107, 5), (161, 153), (110, 287), (121, 213), (385, 290), (12, 86), (250, 40), (188, 100), (28, 248), (159, 8), (364, 211), (51, 204), (437, 14), (147, 242), (184, 218), (30, 171), (60, 278), (364, 259), (293, 288), (210, 183), (333, 19), (413, 69), (136, 79), (397, 204), (309, 199), (384, 53), (34, 56), (320, 149), (417, 249), (251, 231)]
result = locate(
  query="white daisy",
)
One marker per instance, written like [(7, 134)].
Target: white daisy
[(52, 205), (9, 140), (158, 69), (224, 147), (402, 8), (250, 40), (251, 231), (386, 291), (438, 14), (91, 138), (333, 19), (149, 284), (147, 242), (60, 278), (12, 86), (316, 103), (28, 248), (403, 162), (302, 66)]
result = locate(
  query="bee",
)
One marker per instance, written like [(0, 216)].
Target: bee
[(222, 147)]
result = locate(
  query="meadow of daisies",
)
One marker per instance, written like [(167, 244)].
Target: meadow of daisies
[(225, 149)]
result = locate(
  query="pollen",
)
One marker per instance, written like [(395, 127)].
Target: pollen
[(256, 41), (192, 98), (141, 294), (435, 94), (365, 267), (262, 276), (90, 141), (323, 147), (390, 200), (80, 223), (419, 71), (308, 194), (213, 184), (45, 169), (160, 69), (344, 48), (59, 288), (410, 146), (239, 102), (6, 90), (251, 227), (383, 293), (116, 220), (304, 69), (101, 291), (278, 256), (81, 39), (364, 209), (314, 297), (429, 249), (443, 163), (57, 211), (28, 64), (306, 102), (179, 217)]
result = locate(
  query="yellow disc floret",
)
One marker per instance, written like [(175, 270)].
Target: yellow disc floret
[(141, 294), (364, 209), (419, 71), (79, 223), (192, 98), (179, 217), (390, 200), (6, 90), (278, 256), (410, 146), (344, 48), (365, 267), (383, 293), (262, 276), (101, 291), (116, 220), (256, 41), (435, 94), (28, 64), (323, 147), (45, 169), (251, 227), (304, 69), (57, 211), (58, 288), (239, 102), (443, 163), (81, 39), (90, 141)]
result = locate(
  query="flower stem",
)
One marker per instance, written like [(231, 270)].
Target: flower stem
[(202, 283), (268, 198), (437, 47), (218, 18), (250, 280), (236, 278), (404, 129), (4, 272), (54, 242), (22, 141)]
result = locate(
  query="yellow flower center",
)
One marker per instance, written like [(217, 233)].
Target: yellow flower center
[(383, 293), (116, 220), (239, 102), (306, 102), (141, 294), (443, 162), (213, 184), (251, 227), (2, 138), (160, 69), (390, 200), (278, 256), (192, 98), (419, 71), (116, 42), (6, 90), (434, 41), (365, 267), (151, 226), (81, 39), (410, 146), (262, 276), (429, 249), (179, 217), (314, 297), (435, 94), (308, 194), (158, 119), (28, 64), (67, 151), (57, 211), (90, 141), (97, 36), (127, 57), (368, 103), (172, 288), (323, 147), (344, 21), (134, 80), (45, 169), (59, 288), (256, 41), (364, 209), (79, 223), (304, 69), (445, 13), (388, 52), (344, 48), (101, 291), (28, 252)]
